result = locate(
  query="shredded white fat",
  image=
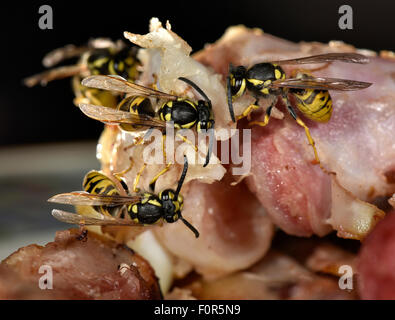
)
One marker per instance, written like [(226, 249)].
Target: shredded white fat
[(168, 57), (351, 217), (160, 260)]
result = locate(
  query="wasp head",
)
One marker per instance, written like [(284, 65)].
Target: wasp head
[(236, 85), (205, 116), (237, 76), (172, 205)]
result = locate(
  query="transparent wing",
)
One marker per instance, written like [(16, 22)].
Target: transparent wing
[(58, 73), (102, 43), (116, 83), (110, 115), (73, 218), (58, 55), (321, 84), (88, 199), (327, 57)]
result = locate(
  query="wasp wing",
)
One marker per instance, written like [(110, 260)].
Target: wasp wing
[(58, 55), (321, 84), (116, 83), (74, 218), (88, 199), (58, 73), (328, 57), (110, 115)]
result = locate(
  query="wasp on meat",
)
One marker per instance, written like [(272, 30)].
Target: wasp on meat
[(99, 56), (311, 93), (111, 198), (136, 111)]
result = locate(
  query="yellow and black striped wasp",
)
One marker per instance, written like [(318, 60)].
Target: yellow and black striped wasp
[(136, 112), (117, 207), (311, 93), (99, 56)]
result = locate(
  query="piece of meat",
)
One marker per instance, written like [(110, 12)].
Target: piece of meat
[(276, 276), (391, 201), (357, 143), (94, 268), (327, 258), (376, 263), (234, 230), (180, 294), (167, 57)]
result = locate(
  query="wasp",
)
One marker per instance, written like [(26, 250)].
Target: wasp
[(136, 112), (118, 207), (311, 94), (99, 56)]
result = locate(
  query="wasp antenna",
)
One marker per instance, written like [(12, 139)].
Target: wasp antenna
[(195, 86), (152, 186), (182, 178), (229, 95), (191, 227), (210, 146)]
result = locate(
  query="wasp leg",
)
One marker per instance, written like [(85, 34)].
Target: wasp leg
[(83, 235), (137, 141), (153, 181), (248, 110), (187, 141), (309, 138), (123, 172), (137, 179), (265, 120), (307, 131), (190, 143), (164, 148)]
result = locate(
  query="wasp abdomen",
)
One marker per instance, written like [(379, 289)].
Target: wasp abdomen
[(314, 104), (97, 183), (137, 106)]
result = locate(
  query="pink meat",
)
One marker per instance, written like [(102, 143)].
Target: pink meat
[(234, 230), (377, 262), (81, 270), (357, 143)]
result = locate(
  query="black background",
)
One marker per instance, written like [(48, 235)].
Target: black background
[(31, 115)]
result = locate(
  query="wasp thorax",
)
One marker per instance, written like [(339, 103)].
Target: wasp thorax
[(98, 61)]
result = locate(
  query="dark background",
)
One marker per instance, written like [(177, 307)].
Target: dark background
[(33, 115)]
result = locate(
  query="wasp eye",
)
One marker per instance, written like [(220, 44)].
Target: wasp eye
[(237, 86)]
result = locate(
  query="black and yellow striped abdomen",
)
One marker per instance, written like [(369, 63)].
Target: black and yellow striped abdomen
[(94, 96), (182, 112), (98, 183), (108, 61), (314, 104), (138, 106)]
